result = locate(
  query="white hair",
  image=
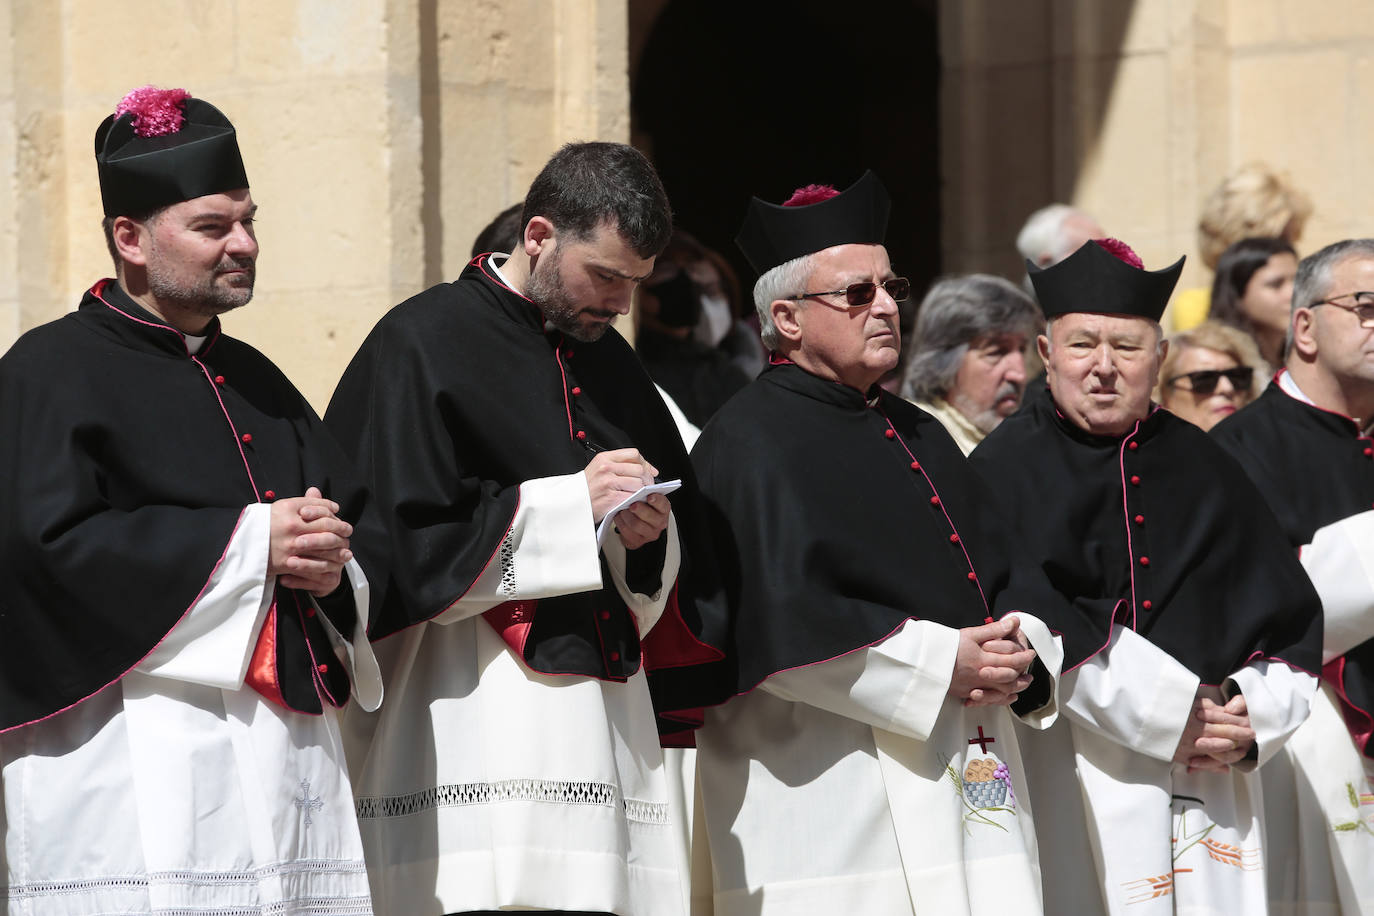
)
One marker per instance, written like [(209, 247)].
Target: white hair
[(786, 281), (1041, 234)]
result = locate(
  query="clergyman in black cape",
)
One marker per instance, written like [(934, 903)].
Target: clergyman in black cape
[(1139, 519), (518, 762), (1301, 444), (865, 760), (181, 614)]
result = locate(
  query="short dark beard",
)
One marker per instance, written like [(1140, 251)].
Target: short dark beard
[(206, 297), (545, 289)]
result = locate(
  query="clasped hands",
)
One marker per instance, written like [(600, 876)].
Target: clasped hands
[(993, 664), (616, 474), (1217, 735), (309, 543)]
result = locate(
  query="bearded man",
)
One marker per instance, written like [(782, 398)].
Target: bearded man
[(181, 610), (519, 765), (967, 363)]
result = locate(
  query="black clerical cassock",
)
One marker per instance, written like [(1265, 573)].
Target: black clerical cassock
[(127, 464), (1159, 531), (1314, 467)]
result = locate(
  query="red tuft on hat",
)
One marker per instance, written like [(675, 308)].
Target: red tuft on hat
[(1121, 251), (157, 112), (811, 194)]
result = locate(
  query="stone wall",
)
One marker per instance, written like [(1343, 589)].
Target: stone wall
[(1136, 109), (379, 135)]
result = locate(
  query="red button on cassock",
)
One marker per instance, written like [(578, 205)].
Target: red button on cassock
[(972, 576), (1146, 604), (891, 434), (1144, 561), (605, 615), (247, 437), (219, 380), (1133, 446), (915, 465), (582, 435), (1140, 519), (615, 656), (1369, 452), (576, 391), (954, 538), (310, 612), (935, 501), (269, 494), (322, 668), (1135, 481)]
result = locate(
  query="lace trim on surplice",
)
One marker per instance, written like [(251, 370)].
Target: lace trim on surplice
[(559, 792)]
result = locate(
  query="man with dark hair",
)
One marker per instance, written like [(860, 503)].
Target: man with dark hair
[(182, 612), (967, 362), (1307, 444), (864, 762), (1212, 628), (518, 765)]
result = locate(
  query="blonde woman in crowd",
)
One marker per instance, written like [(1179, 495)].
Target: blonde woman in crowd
[(1255, 201), (1209, 373)]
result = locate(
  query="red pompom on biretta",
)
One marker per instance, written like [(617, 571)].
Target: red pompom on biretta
[(811, 194), (1121, 251), (157, 112)]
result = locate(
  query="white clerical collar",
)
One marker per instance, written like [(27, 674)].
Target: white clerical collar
[(193, 343), (491, 262), (1290, 387)]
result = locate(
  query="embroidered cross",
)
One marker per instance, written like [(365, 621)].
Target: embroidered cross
[(982, 741), (306, 803)]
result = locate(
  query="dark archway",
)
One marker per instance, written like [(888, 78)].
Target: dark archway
[(733, 99)]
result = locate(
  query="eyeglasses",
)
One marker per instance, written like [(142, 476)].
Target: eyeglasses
[(857, 295), (1204, 381), (1363, 306)]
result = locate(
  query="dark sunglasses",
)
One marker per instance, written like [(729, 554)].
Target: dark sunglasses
[(1204, 381), (857, 295)]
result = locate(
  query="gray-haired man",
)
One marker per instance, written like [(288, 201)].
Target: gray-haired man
[(967, 362)]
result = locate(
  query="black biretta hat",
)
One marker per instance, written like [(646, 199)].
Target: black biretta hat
[(774, 234), (1093, 279), (161, 147)]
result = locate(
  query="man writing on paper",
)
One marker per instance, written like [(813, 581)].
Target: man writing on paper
[(518, 762)]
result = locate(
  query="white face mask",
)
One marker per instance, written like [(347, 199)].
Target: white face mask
[(715, 321)]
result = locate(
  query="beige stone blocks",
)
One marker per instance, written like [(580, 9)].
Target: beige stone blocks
[(379, 136)]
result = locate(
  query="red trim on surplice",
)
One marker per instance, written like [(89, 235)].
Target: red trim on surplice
[(512, 621), (262, 668), (671, 643)]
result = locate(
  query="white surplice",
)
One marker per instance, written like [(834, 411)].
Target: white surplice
[(856, 785), (1163, 840), (178, 789), (484, 784), (1319, 803)]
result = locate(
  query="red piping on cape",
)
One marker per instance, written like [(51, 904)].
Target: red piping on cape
[(145, 656), (944, 510), (100, 288), (1359, 434), (1126, 514), (1359, 722), (510, 524), (321, 689)]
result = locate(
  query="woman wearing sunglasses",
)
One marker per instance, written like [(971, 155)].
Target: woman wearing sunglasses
[(1209, 373)]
